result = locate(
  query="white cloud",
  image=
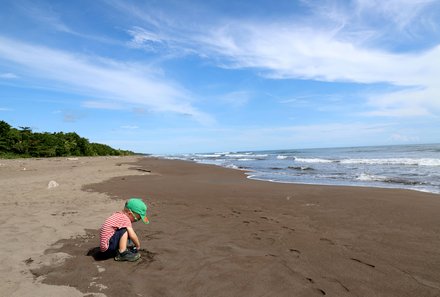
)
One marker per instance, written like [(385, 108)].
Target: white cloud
[(142, 38), (284, 51), (5, 109), (149, 15), (402, 13), (339, 42), (102, 78), (374, 20), (409, 102), (44, 14)]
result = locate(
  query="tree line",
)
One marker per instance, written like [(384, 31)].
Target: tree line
[(23, 142)]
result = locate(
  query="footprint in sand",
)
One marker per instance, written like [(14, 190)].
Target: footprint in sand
[(327, 240), (295, 251), (288, 228), (362, 262)]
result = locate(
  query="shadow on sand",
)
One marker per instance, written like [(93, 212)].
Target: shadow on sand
[(96, 253)]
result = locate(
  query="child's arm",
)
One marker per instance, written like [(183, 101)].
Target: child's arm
[(133, 236)]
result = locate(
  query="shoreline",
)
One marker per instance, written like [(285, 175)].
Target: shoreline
[(246, 170), (343, 185), (402, 167), (215, 232)]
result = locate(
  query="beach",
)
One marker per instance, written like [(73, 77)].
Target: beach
[(213, 232), (42, 201)]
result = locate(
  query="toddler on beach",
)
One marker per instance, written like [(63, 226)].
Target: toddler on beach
[(117, 232)]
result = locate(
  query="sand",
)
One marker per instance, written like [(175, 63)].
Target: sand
[(213, 232), (33, 216)]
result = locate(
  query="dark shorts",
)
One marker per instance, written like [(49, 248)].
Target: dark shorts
[(113, 244)]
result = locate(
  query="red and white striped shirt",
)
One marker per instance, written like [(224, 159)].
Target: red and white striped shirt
[(116, 221)]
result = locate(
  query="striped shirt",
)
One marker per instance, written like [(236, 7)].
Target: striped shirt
[(116, 221)]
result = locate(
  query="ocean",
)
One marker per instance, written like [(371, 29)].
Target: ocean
[(414, 167)]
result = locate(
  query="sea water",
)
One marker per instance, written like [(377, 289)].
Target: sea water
[(415, 167)]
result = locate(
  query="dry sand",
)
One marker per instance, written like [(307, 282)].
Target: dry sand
[(33, 216), (213, 232)]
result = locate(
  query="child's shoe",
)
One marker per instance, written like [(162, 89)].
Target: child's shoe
[(127, 256)]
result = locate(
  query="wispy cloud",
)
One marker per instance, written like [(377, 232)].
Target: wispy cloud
[(291, 53), (300, 51), (148, 13), (141, 38), (401, 13), (284, 51), (44, 13), (340, 42), (409, 102), (103, 79), (374, 21)]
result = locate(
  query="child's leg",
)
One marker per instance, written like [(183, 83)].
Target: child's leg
[(114, 242), (123, 242), (124, 254)]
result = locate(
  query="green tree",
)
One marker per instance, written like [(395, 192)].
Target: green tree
[(4, 131), (25, 143)]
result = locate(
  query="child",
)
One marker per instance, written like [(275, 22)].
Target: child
[(117, 230)]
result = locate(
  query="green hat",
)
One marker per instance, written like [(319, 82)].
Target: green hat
[(138, 206)]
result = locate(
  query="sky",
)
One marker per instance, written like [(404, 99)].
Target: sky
[(176, 76)]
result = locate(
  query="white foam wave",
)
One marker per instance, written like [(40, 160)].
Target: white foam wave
[(313, 160), (232, 166), (370, 177), (394, 161), (237, 155), (172, 157), (246, 155), (280, 157), (208, 155)]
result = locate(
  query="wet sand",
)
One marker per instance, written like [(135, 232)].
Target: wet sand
[(213, 232)]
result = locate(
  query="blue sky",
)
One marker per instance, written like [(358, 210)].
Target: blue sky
[(208, 76)]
